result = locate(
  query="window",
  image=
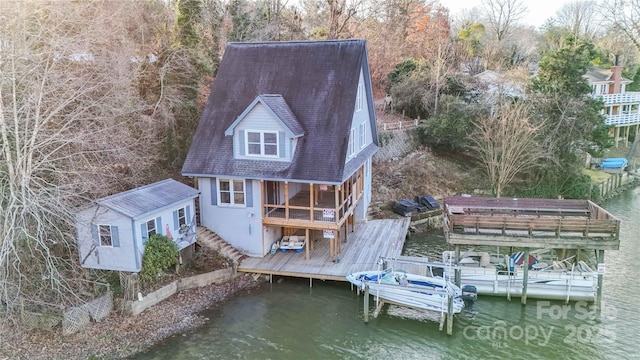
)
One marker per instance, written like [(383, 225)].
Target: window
[(151, 228), (593, 89), (352, 143), (231, 192), (363, 135), (603, 89), (360, 97), (104, 233), (182, 217), (261, 143)]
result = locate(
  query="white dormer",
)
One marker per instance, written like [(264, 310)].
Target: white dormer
[(266, 130)]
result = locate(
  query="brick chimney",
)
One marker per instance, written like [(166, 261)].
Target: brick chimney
[(616, 76)]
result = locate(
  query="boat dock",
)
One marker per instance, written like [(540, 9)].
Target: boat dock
[(365, 245), (531, 224)]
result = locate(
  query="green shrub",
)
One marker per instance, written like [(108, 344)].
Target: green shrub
[(160, 253)]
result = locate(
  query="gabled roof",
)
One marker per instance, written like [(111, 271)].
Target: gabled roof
[(318, 82), (278, 108), (150, 198), (597, 75)]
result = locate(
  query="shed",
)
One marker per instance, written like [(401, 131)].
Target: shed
[(112, 231)]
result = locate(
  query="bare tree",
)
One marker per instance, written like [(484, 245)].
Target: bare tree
[(502, 15), (624, 15), (580, 18), (340, 12), (506, 145), (72, 127)]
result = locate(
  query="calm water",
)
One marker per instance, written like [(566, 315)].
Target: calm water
[(289, 320)]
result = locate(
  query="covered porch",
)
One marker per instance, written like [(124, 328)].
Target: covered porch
[(372, 239), (304, 209)]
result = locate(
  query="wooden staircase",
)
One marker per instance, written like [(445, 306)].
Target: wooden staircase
[(211, 240)]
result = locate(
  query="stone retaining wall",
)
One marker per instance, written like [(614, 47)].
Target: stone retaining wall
[(153, 298)]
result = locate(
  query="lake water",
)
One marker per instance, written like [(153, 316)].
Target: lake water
[(290, 320)]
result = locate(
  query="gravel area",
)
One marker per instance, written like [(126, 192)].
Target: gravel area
[(120, 335)]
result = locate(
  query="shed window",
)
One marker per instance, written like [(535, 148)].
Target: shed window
[(151, 228), (231, 192), (182, 217), (262, 143), (105, 234)]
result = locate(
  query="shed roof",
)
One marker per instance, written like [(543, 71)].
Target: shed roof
[(316, 80), (140, 201)]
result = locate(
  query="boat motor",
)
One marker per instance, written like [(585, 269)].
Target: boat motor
[(469, 296)]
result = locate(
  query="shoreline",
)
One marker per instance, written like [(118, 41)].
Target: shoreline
[(120, 335)]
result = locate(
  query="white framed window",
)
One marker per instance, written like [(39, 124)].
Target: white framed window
[(363, 135), (182, 217), (360, 97), (105, 235), (594, 89), (151, 228), (261, 143), (603, 89), (352, 143), (231, 192)]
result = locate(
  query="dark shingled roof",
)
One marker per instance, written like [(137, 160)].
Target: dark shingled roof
[(315, 83), (140, 201), (279, 107)]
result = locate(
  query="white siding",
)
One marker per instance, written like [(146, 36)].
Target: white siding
[(259, 119), (122, 258), (239, 226), (127, 256), (359, 118)]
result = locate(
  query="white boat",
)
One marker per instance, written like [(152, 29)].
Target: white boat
[(553, 280), (292, 242), (415, 291)]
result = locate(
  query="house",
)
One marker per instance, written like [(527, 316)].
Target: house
[(621, 106), (501, 84), (112, 231), (285, 143)]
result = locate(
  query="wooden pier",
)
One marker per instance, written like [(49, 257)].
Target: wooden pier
[(370, 240)]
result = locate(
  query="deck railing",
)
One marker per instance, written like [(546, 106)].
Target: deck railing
[(533, 226)]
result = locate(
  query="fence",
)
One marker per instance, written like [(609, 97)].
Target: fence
[(401, 124)]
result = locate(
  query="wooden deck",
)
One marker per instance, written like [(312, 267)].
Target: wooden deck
[(537, 223), (371, 239)]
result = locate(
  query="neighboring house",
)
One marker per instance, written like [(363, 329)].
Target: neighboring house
[(113, 231), (285, 143), (498, 85), (621, 107)]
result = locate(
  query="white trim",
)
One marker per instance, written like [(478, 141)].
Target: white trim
[(155, 227), (231, 191), (100, 235), (352, 143), (262, 143), (360, 97), (363, 135)]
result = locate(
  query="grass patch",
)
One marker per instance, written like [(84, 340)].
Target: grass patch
[(596, 176)]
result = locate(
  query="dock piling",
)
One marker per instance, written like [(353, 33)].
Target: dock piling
[(525, 277), (366, 304)]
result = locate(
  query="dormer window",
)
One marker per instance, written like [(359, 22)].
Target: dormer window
[(262, 143)]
